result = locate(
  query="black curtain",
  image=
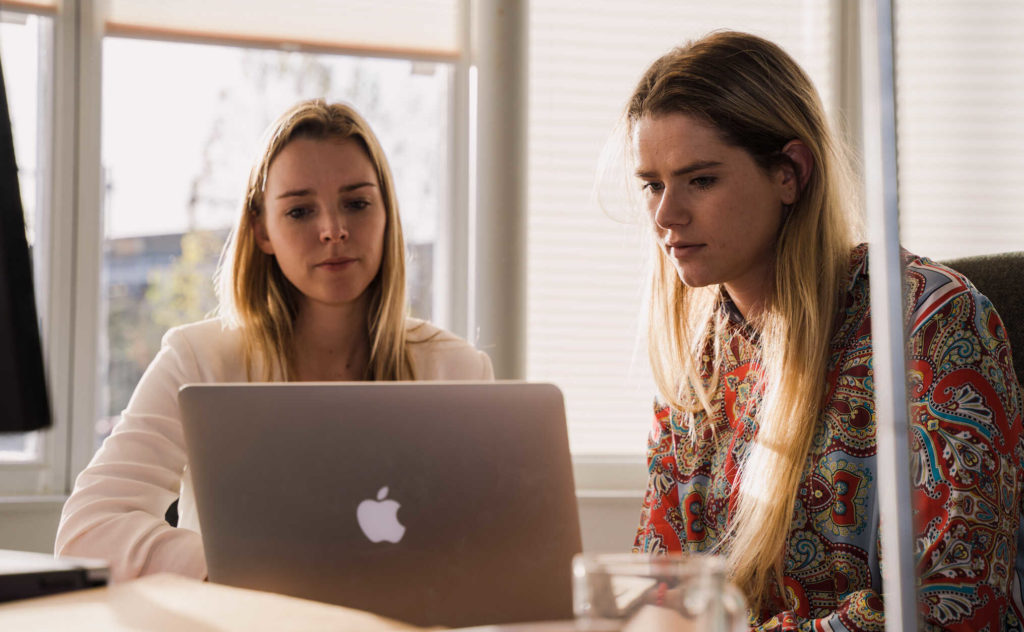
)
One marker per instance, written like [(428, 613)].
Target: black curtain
[(23, 402)]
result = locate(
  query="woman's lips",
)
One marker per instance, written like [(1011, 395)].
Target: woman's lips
[(337, 263), (681, 250)]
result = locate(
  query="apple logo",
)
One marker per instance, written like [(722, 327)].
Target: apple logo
[(379, 518)]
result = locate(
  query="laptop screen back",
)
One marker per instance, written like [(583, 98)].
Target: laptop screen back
[(434, 503)]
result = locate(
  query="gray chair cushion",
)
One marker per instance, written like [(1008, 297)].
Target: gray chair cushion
[(1000, 277)]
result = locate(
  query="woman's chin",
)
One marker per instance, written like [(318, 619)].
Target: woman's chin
[(692, 278)]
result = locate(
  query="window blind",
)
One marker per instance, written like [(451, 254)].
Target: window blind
[(960, 126), (46, 7), (585, 269), (408, 28)]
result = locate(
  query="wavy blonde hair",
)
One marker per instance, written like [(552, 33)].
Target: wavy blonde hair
[(758, 99), (254, 294)]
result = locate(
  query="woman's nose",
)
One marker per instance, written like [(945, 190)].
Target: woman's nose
[(670, 211), (333, 228)]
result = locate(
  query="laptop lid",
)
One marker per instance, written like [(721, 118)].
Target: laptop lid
[(433, 503), (25, 574)]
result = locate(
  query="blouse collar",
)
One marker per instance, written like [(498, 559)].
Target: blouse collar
[(735, 316)]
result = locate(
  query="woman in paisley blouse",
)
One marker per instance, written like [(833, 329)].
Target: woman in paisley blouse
[(763, 447)]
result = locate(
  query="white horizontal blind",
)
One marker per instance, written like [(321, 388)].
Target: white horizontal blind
[(401, 27), (960, 113), (32, 6), (585, 269)]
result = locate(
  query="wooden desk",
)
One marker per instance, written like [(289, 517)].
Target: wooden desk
[(173, 603)]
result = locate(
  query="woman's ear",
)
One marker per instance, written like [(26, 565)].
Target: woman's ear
[(798, 172), (259, 231)]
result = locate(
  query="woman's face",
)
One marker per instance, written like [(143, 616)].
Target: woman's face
[(324, 219), (716, 213)]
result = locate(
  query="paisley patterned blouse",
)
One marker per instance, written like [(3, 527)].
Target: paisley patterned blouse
[(967, 467)]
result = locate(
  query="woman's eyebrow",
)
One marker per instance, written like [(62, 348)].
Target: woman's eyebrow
[(342, 189), (295, 193), (353, 187), (697, 165)]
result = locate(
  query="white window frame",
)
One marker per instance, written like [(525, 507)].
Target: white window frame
[(71, 229), (449, 281)]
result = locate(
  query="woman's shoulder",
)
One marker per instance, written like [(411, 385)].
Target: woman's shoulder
[(418, 331), (213, 345), (933, 288), (930, 286), (438, 354), (212, 332)]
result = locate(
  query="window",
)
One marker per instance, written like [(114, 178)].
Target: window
[(960, 117), (181, 129), (120, 109)]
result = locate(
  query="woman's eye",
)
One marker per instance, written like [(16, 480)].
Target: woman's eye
[(357, 205), (298, 212), (653, 187), (703, 182)]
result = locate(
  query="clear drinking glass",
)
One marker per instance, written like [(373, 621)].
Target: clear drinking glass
[(663, 593)]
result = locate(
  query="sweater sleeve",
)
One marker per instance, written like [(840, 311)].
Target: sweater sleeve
[(966, 468), (966, 461), (116, 510), (486, 368)]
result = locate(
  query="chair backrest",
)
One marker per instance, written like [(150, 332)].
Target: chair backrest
[(1000, 277)]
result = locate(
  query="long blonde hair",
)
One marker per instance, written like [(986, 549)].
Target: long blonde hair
[(255, 295), (758, 99)]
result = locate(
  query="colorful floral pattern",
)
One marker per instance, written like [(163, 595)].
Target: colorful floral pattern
[(967, 461)]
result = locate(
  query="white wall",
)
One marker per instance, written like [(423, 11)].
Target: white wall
[(29, 525), (609, 522)]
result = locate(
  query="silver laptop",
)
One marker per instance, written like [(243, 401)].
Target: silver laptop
[(434, 503)]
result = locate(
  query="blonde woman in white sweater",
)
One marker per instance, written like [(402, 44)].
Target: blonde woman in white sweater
[(311, 288)]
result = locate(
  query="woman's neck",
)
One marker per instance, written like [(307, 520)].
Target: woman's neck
[(750, 294), (332, 343)]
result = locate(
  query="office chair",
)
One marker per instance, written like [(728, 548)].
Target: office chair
[(172, 514), (1000, 277)]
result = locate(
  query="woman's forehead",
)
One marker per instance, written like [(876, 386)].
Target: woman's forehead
[(674, 133), (315, 158)]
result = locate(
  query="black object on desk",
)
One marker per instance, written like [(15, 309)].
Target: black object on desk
[(24, 575)]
